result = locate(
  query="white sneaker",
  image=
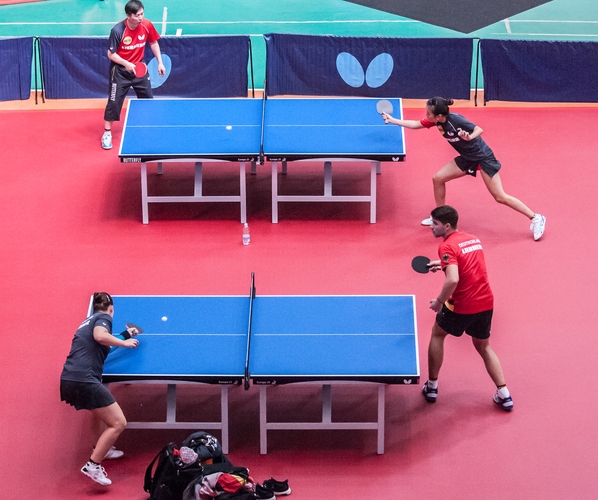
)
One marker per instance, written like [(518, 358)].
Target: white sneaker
[(97, 473), (113, 453), (107, 140), (427, 222), (538, 225)]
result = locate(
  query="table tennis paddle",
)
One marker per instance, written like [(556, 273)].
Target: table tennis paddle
[(420, 264), (140, 69), (133, 325), (384, 106)]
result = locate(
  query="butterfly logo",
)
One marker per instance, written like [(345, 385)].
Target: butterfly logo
[(141, 37), (377, 73)]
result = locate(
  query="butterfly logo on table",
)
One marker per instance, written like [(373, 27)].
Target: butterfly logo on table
[(377, 73)]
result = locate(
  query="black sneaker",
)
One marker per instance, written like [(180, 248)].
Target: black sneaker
[(262, 493), (429, 393), (278, 487)]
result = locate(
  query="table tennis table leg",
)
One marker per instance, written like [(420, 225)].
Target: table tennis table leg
[(243, 191), (327, 179), (263, 421), (224, 417), (381, 405), (171, 404), (374, 171), (275, 192), (144, 203), (198, 181)]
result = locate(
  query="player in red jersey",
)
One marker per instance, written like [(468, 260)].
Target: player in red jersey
[(126, 49), (465, 303)]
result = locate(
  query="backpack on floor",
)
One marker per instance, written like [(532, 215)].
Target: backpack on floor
[(170, 477)]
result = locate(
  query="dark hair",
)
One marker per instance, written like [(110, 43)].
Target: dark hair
[(133, 6), (101, 301), (440, 105), (446, 215)]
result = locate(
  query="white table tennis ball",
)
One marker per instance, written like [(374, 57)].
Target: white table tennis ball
[(228, 127), (164, 318)]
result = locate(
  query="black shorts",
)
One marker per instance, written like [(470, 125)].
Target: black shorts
[(490, 165), (476, 325), (85, 395)]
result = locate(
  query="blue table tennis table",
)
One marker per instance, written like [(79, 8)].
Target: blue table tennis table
[(270, 341), (247, 130)]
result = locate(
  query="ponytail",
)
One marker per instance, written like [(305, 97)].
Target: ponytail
[(101, 301), (440, 105)]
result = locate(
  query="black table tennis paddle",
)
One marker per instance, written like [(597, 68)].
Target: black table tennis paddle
[(133, 325), (420, 264)]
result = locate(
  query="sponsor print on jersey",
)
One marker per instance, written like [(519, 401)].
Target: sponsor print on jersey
[(127, 40)]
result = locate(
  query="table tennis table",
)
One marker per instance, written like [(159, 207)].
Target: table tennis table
[(270, 341), (249, 130)]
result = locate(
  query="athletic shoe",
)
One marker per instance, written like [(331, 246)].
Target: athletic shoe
[(429, 393), (505, 403), (97, 473), (278, 487), (262, 493), (537, 226), (107, 140), (113, 453), (427, 222)]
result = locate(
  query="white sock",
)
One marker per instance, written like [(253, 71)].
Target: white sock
[(503, 392), (433, 384)]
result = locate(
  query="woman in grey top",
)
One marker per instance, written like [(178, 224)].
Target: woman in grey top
[(474, 155), (81, 381)]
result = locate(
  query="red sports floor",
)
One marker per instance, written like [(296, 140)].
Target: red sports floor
[(71, 225)]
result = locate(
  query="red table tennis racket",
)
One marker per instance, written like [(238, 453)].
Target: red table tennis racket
[(140, 69), (420, 264)]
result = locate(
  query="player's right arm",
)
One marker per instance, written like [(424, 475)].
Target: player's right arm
[(116, 36), (116, 59), (414, 124), (104, 337)]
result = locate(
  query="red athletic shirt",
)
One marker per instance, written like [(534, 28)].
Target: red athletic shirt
[(130, 44), (473, 293)]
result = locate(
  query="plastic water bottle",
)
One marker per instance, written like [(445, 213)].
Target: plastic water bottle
[(246, 236)]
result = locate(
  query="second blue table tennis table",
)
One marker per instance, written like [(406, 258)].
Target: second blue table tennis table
[(247, 130), (292, 339)]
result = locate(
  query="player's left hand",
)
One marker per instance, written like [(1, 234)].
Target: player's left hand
[(386, 117), (464, 135), (161, 69)]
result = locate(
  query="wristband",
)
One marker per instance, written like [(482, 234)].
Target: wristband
[(126, 335)]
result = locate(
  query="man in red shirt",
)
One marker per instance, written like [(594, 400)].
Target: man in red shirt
[(465, 303), (126, 49)]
